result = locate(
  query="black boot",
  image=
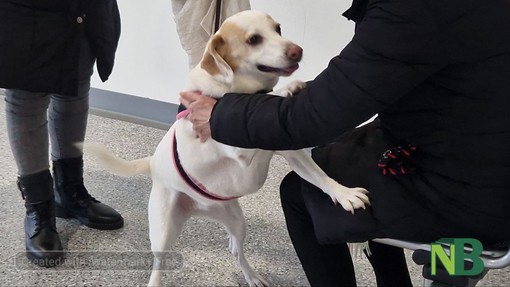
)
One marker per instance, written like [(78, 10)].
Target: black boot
[(73, 200), (42, 241)]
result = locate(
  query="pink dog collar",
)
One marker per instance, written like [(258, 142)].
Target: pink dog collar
[(182, 114), (190, 180)]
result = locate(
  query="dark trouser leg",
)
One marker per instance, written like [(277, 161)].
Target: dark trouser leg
[(330, 264), (27, 129), (324, 265), (68, 123), (389, 265)]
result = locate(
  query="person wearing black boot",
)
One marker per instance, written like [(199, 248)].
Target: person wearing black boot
[(48, 52)]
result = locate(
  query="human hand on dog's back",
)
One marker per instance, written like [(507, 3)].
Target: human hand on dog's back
[(200, 108)]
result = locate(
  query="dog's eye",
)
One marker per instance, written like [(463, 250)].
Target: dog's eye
[(278, 30), (254, 40)]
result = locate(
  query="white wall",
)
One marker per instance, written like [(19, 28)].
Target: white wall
[(151, 63)]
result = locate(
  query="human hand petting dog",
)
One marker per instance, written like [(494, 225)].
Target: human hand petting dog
[(200, 108)]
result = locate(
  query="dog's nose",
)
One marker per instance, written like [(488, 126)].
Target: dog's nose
[(294, 52)]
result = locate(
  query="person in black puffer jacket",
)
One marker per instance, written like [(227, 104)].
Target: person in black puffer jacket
[(47, 52), (435, 161)]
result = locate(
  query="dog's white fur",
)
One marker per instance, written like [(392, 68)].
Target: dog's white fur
[(232, 62)]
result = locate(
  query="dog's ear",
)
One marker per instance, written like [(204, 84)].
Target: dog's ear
[(214, 59)]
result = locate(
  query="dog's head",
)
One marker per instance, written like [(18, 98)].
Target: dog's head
[(249, 46)]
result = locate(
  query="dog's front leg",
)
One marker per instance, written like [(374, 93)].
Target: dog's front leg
[(290, 89), (302, 163)]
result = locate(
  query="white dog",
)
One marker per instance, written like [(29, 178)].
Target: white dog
[(192, 178)]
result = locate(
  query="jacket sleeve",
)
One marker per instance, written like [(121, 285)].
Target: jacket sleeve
[(48, 5), (103, 32), (395, 48)]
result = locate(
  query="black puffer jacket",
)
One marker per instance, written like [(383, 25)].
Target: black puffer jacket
[(438, 74), (40, 42)]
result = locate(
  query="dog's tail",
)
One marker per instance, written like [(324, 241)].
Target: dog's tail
[(115, 164)]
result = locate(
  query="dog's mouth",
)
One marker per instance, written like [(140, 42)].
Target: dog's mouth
[(279, 71)]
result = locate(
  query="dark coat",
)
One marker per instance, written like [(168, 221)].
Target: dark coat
[(438, 74), (40, 42)]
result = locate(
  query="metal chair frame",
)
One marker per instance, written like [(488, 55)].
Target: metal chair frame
[(492, 259)]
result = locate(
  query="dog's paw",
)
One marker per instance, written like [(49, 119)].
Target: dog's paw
[(257, 281), (350, 198), (292, 88)]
